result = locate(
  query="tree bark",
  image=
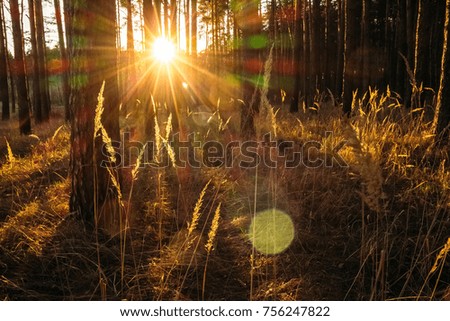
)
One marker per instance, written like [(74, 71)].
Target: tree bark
[(19, 64), (94, 62)]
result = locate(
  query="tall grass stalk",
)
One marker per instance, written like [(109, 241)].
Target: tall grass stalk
[(161, 201), (196, 213), (209, 246), (253, 253), (267, 118), (10, 159), (109, 223), (439, 263)]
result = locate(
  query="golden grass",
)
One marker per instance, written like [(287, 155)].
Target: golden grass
[(196, 213), (209, 246), (36, 223), (43, 156), (373, 230), (10, 156)]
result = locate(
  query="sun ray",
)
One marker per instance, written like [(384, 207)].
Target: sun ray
[(163, 71)]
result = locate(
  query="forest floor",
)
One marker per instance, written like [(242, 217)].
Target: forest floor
[(363, 216)]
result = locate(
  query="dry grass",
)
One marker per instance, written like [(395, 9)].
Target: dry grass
[(375, 230)]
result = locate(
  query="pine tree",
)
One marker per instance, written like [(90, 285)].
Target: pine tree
[(95, 192), (19, 63)]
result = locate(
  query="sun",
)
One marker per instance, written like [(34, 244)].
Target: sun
[(163, 50)]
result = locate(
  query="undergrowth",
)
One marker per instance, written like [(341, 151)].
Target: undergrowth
[(375, 227)]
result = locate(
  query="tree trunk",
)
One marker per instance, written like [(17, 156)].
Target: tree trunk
[(64, 61), (131, 64), (37, 94), (41, 59), (340, 48), (130, 34), (307, 53), (274, 32), (215, 36), (236, 49), (194, 27), (365, 53), (317, 41), (119, 25), (388, 43), (298, 57), (437, 40), (4, 94), (250, 23), (351, 65), (216, 28), (152, 26), (411, 10), (19, 64), (442, 117), (402, 43), (94, 193), (422, 52), (12, 87), (157, 4), (187, 24), (68, 16), (149, 22), (166, 18), (271, 28), (173, 21), (330, 26)]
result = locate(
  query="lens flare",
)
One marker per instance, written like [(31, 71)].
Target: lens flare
[(271, 231), (163, 50)]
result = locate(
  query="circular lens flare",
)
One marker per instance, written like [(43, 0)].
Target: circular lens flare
[(163, 50), (271, 231)]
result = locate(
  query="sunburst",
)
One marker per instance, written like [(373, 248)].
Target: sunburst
[(163, 51)]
